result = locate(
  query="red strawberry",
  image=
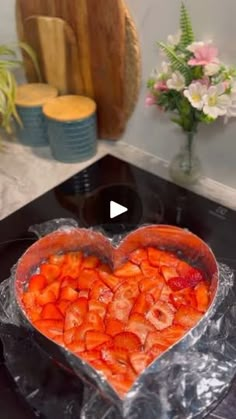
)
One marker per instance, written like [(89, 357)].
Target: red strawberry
[(97, 307), (140, 326), (69, 270), (75, 313), (101, 292), (68, 281), (149, 283), (173, 333), (165, 292), (51, 311), (155, 351), (90, 262), (156, 338), (104, 268), (74, 259), (77, 346), (114, 326), (50, 328), (138, 256), (57, 259), (187, 316), (168, 259), (69, 335), (143, 303), (202, 296), (109, 280), (50, 272), (81, 330), (116, 359), (94, 319), (46, 296), (87, 278), (29, 299), (168, 272), (34, 313), (63, 305), (37, 283), (128, 290), (68, 293), (128, 341), (183, 297), (161, 315), (59, 340), (122, 383), (84, 294), (92, 355), (148, 270), (119, 309), (100, 365), (139, 361), (193, 275), (126, 270), (154, 256), (94, 339)]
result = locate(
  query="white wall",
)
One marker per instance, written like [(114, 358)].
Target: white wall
[(148, 130)]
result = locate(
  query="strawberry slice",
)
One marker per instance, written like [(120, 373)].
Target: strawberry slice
[(116, 359), (173, 333), (149, 283), (82, 330), (94, 319), (101, 292), (126, 270), (185, 296), (83, 294), (69, 335), (63, 305), (148, 270), (90, 262), (101, 366), (92, 355), (168, 272), (128, 290), (143, 303), (138, 256), (109, 280), (48, 295), (50, 272), (77, 346), (34, 313), (51, 311), (164, 295), (128, 341), (94, 339), (75, 313), (87, 278), (202, 296), (155, 351), (69, 270), (59, 340), (140, 326), (161, 315), (119, 309), (156, 338), (98, 307), (68, 293), (57, 259), (154, 256), (139, 361), (37, 283), (50, 328), (114, 327), (187, 316), (168, 259), (29, 299), (74, 259), (122, 383), (104, 268), (193, 275), (68, 281)]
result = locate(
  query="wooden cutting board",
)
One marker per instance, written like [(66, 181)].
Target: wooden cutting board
[(108, 54)]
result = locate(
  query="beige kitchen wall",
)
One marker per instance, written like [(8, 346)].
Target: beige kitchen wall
[(150, 131)]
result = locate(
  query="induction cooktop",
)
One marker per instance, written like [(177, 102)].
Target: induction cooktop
[(31, 386)]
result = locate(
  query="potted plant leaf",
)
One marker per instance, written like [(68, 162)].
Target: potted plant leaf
[(9, 61)]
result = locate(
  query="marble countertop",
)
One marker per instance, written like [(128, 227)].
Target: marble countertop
[(27, 173)]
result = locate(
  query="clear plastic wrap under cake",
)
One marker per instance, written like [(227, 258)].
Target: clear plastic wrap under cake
[(185, 382)]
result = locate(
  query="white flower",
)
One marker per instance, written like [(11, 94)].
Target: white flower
[(195, 94), (216, 103), (212, 69), (195, 46), (176, 82), (231, 111), (166, 67), (174, 40)]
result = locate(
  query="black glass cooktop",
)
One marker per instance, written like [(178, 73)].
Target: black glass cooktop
[(86, 197)]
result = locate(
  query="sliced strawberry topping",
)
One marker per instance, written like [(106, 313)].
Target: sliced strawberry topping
[(122, 383), (120, 309), (76, 313), (109, 280), (37, 283), (187, 316), (57, 259), (128, 269), (68, 281), (101, 292), (116, 359), (168, 272), (154, 256), (140, 326), (128, 341), (51, 311), (139, 361), (143, 303), (87, 278), (156, 338), (148, 270), (98, 307), (94, 339), (68, 293), (63, 305), (128, 290), (90, 262), (202, 296), (161, 315), (50, 328), (156, 351), (114, 326), (185, 296), (173, 333), (138, 256), (50, 272), (94, 319), (77, 346)]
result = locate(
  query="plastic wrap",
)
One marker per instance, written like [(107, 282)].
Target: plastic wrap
[(186, 381)]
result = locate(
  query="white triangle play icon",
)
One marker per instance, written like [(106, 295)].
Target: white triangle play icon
[(116, 209)]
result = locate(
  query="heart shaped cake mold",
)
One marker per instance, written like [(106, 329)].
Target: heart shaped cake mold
[(186, 246)]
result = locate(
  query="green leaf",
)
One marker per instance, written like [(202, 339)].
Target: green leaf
[(177, 62), (187, 35)]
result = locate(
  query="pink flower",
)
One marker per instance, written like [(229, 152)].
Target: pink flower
[(150, 100), (205, 81), (161, 86), (204, 54)]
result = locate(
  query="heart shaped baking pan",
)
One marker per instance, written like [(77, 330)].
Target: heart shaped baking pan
[(179, 242)]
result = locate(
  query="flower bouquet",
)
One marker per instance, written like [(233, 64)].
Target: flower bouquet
[(195, 86)]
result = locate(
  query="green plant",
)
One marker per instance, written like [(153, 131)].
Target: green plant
[(8, 63)]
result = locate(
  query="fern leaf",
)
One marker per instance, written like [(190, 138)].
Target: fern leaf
[(177, 63), (187, 36)]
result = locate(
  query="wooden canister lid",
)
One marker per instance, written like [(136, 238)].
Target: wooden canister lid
[(34, 94), (69, 108)]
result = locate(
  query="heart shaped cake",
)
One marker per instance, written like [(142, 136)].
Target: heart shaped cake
[(118, 309)]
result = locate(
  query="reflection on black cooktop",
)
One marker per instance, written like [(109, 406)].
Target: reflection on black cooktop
[(86, 197)]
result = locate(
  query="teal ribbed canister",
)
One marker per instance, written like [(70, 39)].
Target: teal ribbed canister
[(30, 99), (72, 128)]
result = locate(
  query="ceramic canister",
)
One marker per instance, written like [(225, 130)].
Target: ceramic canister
[(72, 128), (30, 99)]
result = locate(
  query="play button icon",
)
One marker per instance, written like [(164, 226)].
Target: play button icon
[(116, 209)]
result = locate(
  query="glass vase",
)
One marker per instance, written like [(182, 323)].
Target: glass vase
[(185, 167)]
